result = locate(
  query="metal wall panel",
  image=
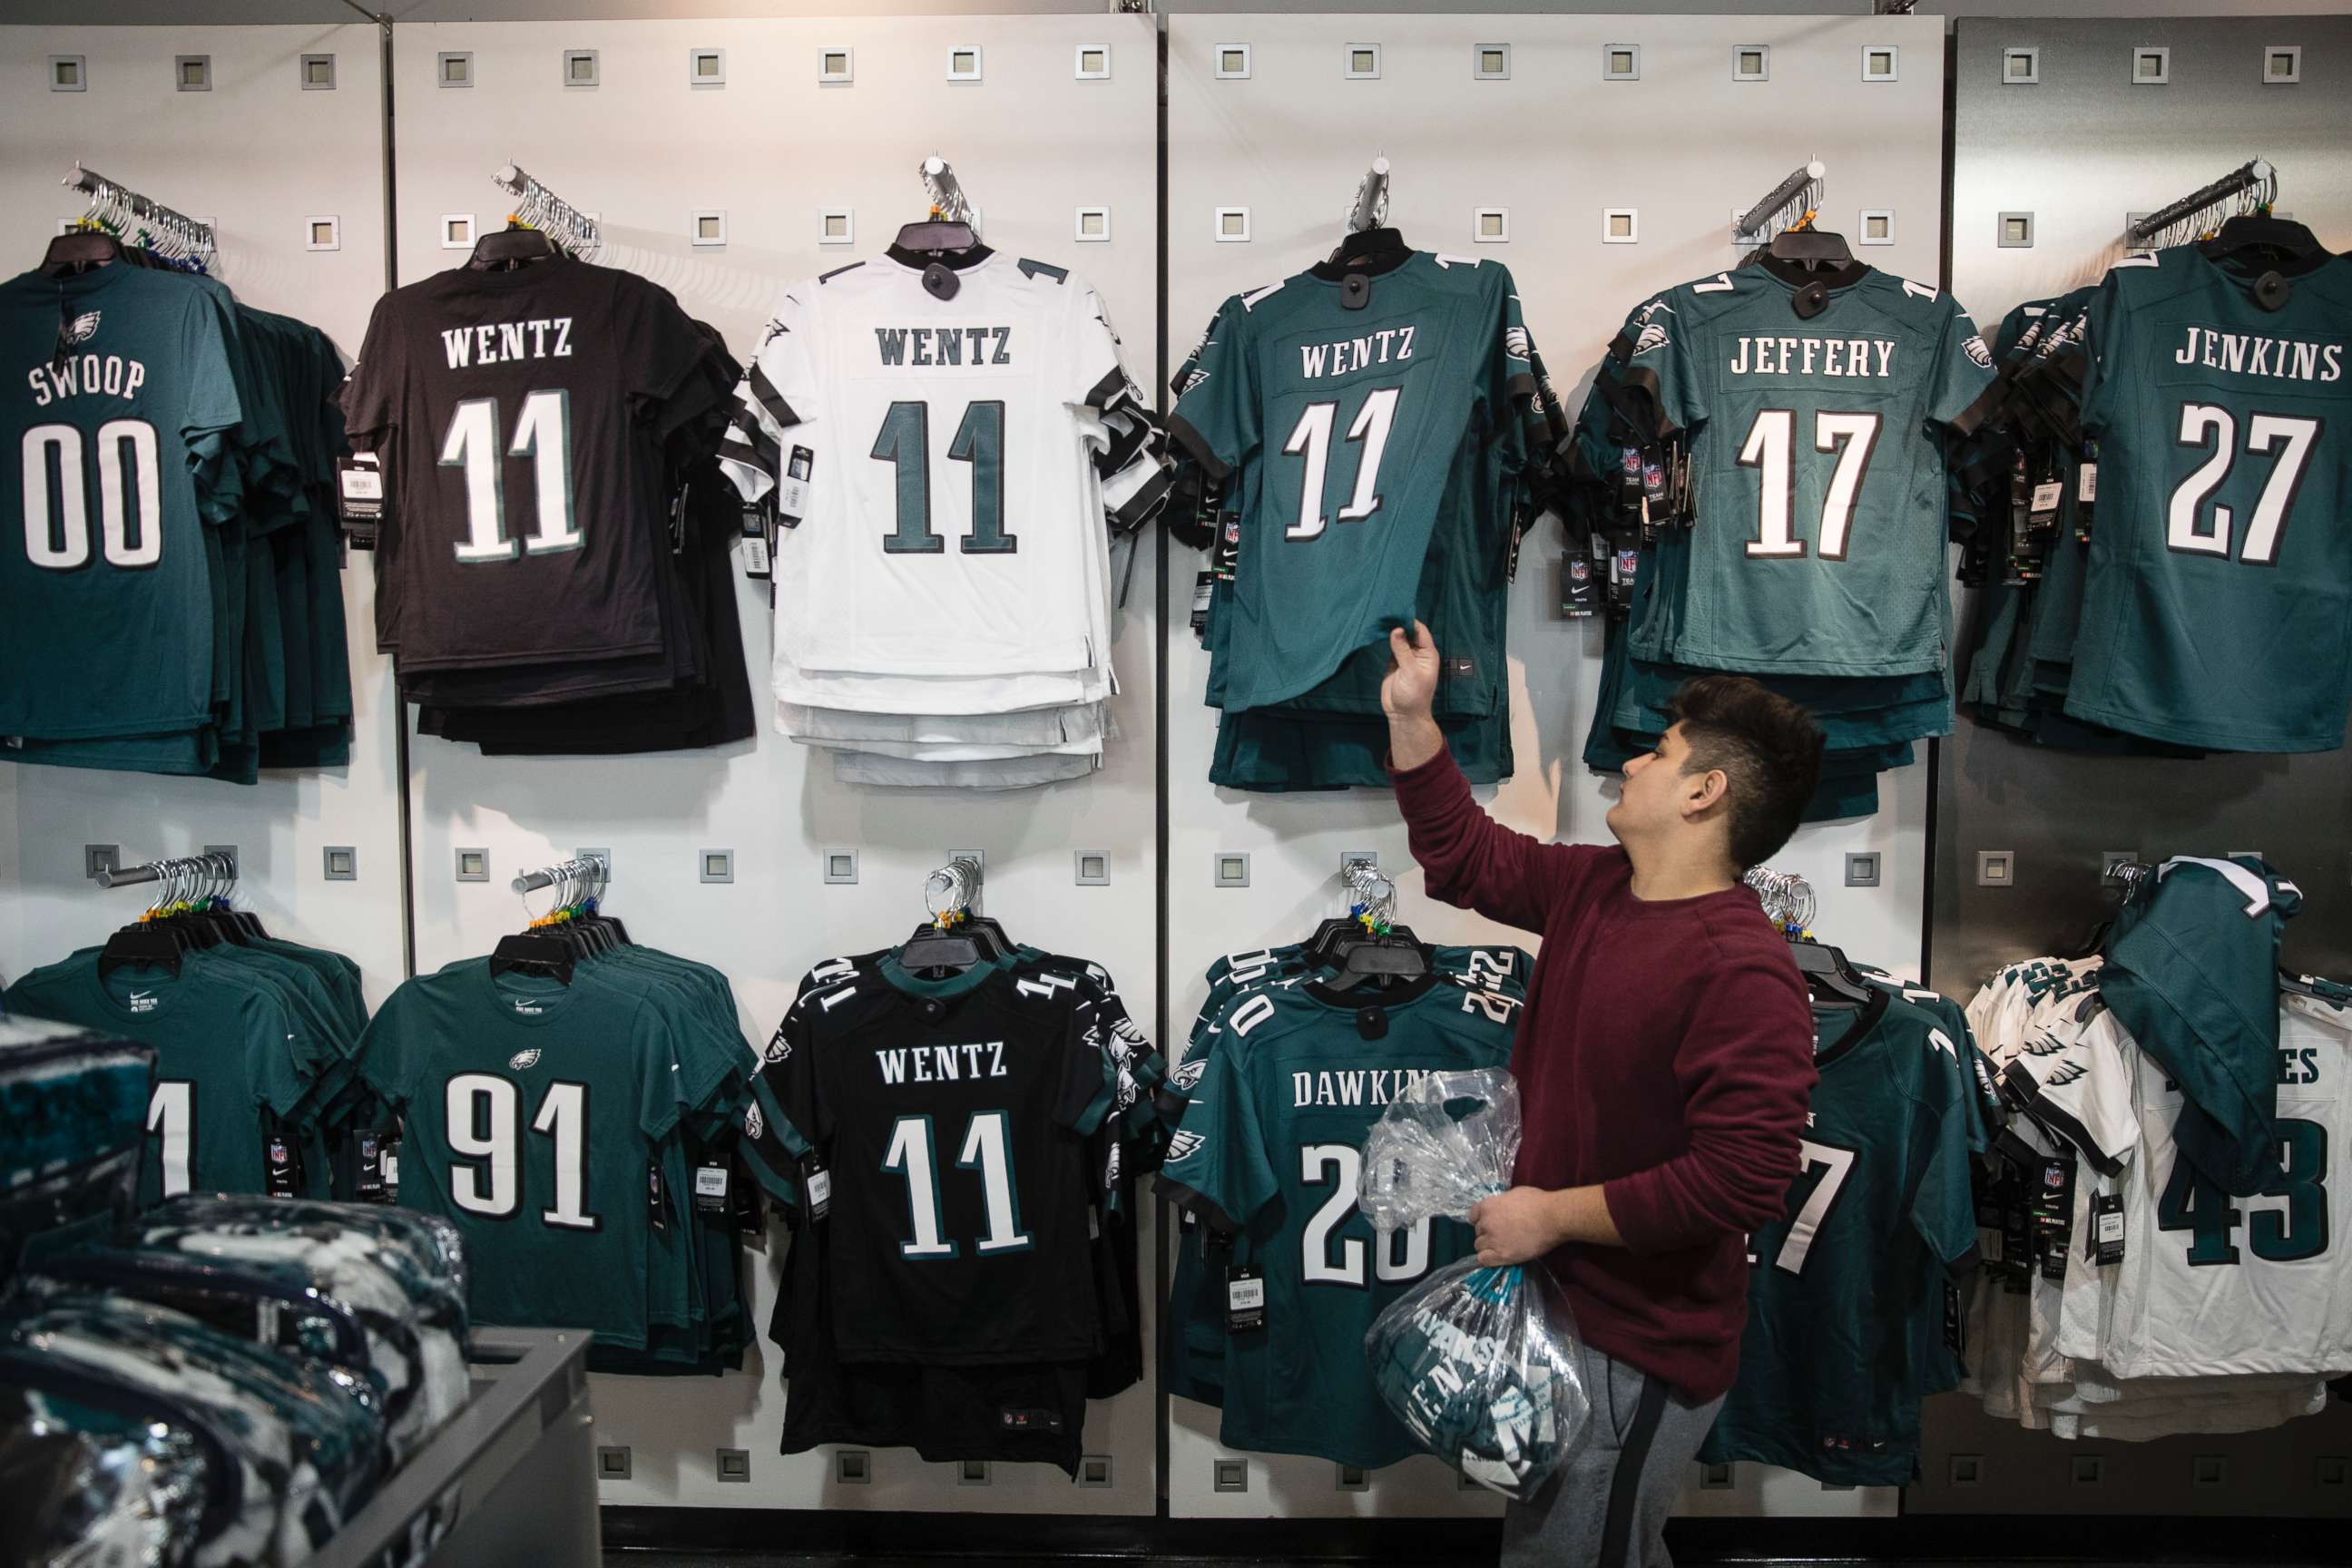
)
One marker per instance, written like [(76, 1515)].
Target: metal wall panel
[(2079, 149)]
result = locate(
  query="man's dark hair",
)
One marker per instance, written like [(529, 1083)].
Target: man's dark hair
[(1769, 748)]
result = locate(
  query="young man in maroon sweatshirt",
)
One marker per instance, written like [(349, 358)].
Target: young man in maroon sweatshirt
[(1664, 1062)]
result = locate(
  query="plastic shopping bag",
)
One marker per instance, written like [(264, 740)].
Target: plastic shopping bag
[(1481, 1363)]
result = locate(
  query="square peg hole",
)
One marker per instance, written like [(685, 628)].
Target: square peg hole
[(454, 67), (836, 67), (841, 866), (1092, 62), (1996, 867), (1620, 225), (1881, 62), (2282, 64), (716, 865), (972, 1472), (2209, 1470), (68, 73), (1232, 871), (1967, 1469), (322, 234), (1230, 1475), (472, 865), (343, 862), (735, 1465), (853, 1467), (1862, 869), (963, 63), (1233, 225), (2021, 66), (318, 73), (705, 68), (2332, 1470), (2087, 1470), (708, 227), (192, 73), (1752, 62), (837, 226), (1620, 62), (579, 67), (457, 231), (612, 1463), (2016, 231), (2151, 65), (1353, 1479), (1490, 62), (1363, 62), (1231, 61), (1490, 225), (1091, 224), (1876, 227), (1094, 1470), (1715, 1478), (1092, 867)]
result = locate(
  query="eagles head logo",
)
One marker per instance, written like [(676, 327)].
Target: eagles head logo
[(81, 329), (1653, 336), (523, 1061), (1188, 1076), (1975, 349), (754, 1124), (1516, 342)]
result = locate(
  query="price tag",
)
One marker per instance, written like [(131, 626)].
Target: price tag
[(820, 1193), (1244, 1300), (710, 1188), (359, 492), (757, 564), (2086, 483), (2107, 1228), (2047, 495), (793, 487), (1203, 588)]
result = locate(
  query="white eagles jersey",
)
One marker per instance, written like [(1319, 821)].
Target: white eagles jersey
[(955, 526), (2212, 1285)]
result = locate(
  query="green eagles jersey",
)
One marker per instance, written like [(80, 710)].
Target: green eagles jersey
[(1375, 459), (124, 394), (1817, 463), (1270, 1149), (1880, 1224), (228, 1082), (542, 1121), (2217, 609)]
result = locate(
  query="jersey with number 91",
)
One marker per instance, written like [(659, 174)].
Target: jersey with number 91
[(1879, 1223), (2218, 605), (1271, 1144), (122, 396), (1817, 465), (1377, 453)]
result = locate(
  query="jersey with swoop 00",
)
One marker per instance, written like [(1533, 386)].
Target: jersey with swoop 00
[(2217, 609), (1271, 1146), (955, 523), (1375, 456), (1817, 459), (125, 396)]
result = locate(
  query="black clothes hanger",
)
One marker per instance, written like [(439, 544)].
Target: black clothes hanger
[(149, 945), (955, 947), (530, 953), (2281, 238), (1813, 247), (935, 235), (79, 250), (512, 247), (1371, 250), (1828, 972)]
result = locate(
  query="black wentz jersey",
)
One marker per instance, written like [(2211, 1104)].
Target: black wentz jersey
[(949, 1124), (520, 417)]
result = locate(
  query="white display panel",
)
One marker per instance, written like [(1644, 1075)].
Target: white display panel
[(261, 157), (1557, 146), (774, 149)]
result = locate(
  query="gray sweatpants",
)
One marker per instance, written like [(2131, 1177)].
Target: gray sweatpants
[(1607, 1507)]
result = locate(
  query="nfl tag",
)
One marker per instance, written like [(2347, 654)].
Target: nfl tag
[(820, 1192), (1203, 588), (2107, 1228), (367, 1158), (1579, 595), (656, 1198), (710, 1188), (1244, 1300), (285, 1166)]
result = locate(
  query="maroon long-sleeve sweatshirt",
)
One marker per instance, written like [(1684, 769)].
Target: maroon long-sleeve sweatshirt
[(1665, 1053)]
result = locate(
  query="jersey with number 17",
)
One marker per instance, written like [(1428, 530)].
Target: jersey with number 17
[(1818, 465)]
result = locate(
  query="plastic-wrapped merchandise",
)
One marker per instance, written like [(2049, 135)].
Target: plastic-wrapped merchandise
[(97, 1473), (1480, 1363)]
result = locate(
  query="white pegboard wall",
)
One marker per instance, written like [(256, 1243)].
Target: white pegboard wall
[(1556, 146), (197, 152), (774, 150)]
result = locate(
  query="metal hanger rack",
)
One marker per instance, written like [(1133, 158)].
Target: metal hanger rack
[(538, 207), (1369, 206), (1787, 898), (217, 871), (138, 219), (1372, 893), (952, 891), (2249, 188), (1786, 206), (949, 203)]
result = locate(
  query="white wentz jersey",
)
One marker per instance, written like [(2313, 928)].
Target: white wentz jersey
[(2212, 1285), (955, 529)]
